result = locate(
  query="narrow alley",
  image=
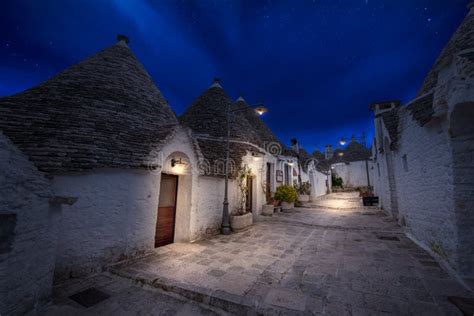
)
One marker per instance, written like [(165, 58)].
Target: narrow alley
[(335, 258)]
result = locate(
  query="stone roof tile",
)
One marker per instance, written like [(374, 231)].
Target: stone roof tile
[(421, 109), (102, 112), (462, 39)]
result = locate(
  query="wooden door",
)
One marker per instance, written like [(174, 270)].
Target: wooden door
[(166, 210), (248, 196)]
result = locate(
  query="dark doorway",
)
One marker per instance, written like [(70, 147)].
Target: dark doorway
[(166, 210), (248, 196), (268, 179)]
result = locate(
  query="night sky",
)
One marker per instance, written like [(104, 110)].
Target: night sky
[(317, 65)]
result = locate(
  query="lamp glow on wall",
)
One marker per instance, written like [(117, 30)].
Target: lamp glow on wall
[(256, 157), (178, 166)]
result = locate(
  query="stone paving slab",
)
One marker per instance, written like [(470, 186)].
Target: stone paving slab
[(126, 298), (305, 262), (346, 261)]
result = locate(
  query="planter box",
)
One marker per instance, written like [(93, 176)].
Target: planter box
[(287, 206), (370, 200), (241, 222), (303, 198), (267, 209)]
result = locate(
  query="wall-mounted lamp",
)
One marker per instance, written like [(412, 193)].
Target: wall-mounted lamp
[(175, 162), (340, 154), (255, 156), (290, 163)]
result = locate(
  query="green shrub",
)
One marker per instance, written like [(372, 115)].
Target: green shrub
[(286, 193), (337, 181)]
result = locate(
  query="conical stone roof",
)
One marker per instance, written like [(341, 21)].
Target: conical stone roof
[(102, 112), (461, 40), (270, 142), (207, 118)]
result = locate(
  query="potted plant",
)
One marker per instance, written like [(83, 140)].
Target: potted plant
[(368, 198), (240, 218), (337, 182), (287, 195), (267, 208), (303, 190)]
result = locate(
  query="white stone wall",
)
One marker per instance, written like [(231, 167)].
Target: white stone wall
[(380, 179), (207, 217), (424, 184), (28, 247), (116, 211), (318, 184), (113, 218), (354, 174), (425, 187)]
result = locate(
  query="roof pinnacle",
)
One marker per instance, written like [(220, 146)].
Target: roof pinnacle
[(122, 38), (216, 83)]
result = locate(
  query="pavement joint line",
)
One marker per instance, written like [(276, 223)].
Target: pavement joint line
[(368, 229)]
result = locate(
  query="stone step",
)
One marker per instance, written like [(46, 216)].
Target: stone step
[(214, 299)]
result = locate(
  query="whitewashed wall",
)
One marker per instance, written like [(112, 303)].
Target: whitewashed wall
[(318, 185), (381, 183), (354, 174), (425, 187), (27, 256), (423, 168), (116, 212)]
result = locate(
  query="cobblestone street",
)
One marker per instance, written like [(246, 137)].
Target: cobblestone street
[(336, 258)]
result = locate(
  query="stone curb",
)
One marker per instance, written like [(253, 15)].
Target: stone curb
[(227, 302)]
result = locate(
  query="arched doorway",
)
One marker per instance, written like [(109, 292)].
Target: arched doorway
[(392, 185), (462, 141), (174, 202)]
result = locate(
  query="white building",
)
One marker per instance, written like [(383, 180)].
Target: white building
[(423, 156), (353, 165), (96, 168)]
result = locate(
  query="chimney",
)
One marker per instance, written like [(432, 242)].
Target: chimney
[(385, 106), (328, 152), (122, 38), (294, 145)]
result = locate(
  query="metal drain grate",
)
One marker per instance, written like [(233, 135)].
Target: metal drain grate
[(89, 297), (392, 238)]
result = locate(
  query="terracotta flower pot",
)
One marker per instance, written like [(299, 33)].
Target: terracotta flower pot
[(241, 222)]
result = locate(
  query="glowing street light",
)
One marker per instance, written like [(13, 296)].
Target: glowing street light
[(261, 110), (342, 142)]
